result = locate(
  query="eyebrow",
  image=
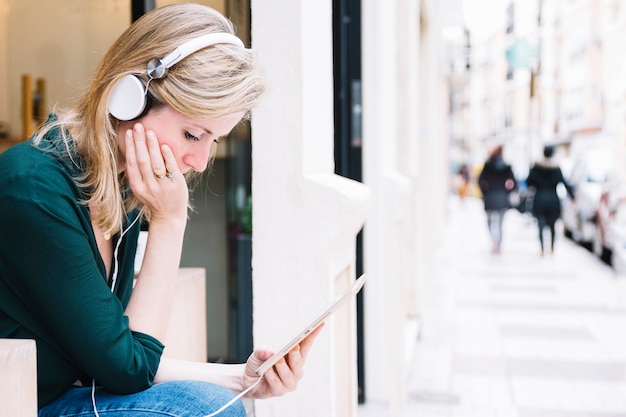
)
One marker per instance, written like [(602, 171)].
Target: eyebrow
[(206, 130)]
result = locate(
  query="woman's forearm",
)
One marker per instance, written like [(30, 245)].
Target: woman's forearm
[(226, 375), (150, 304)]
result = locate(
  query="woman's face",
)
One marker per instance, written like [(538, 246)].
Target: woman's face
[(191, 140)]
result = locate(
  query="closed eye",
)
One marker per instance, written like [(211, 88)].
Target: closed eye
[(189, 136)]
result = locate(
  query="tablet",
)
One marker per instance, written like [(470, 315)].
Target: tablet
[(340, 301)]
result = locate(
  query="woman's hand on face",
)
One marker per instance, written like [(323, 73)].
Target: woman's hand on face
[(154, 176), (283, 377)]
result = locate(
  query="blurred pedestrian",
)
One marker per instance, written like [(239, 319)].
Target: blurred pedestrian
[(496, 182), (462, 181), (544, 177)]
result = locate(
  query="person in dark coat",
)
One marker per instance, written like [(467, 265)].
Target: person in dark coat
[(544, 177), (496, 181)]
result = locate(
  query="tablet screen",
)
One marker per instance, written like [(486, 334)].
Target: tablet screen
[(340, 301)]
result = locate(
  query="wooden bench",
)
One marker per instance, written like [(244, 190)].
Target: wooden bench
[(18, 378)]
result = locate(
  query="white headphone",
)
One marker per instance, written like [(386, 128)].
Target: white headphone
[(129, 95)]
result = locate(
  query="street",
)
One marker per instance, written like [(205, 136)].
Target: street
[(515, 334)]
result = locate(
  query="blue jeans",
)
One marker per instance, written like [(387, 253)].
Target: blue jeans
[(168, 399), (494, 223)]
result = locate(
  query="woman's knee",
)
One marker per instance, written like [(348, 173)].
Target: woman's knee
[(175, 398), (199, 398)]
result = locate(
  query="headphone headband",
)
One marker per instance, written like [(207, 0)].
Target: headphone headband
[(157, 68), (128, 97), (198, 43)]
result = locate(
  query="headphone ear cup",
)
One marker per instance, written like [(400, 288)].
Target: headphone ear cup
[(128, 98), (146, 108)]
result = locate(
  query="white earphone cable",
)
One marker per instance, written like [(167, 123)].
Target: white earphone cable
[(113, 282), (232, 401), (117, 247), (93, 397)]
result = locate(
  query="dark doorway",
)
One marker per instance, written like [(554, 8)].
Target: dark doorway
[(140, 7), (347, 106)]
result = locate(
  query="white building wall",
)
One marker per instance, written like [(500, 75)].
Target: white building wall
[(613, 26), (433, 136), (408, 34), (305, 218), (547, 82), (383, 300), (405, 165)]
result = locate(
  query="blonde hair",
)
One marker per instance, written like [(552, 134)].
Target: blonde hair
[(213, 82)]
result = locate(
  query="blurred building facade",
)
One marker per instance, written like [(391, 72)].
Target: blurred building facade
[(552, 73)]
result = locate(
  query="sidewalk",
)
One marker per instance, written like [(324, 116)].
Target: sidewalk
[(517, 335)]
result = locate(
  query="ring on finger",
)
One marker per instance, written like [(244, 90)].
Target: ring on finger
[(167, 174)]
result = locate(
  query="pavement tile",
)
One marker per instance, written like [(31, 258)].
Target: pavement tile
[(515, 334), (545, 332)]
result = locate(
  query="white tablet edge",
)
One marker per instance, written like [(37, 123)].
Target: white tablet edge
[(353, 290)]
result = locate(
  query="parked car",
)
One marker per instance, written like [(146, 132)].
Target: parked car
[(588, 175), (618, 254), (610, 239)]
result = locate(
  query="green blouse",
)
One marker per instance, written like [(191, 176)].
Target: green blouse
[(53, 287)]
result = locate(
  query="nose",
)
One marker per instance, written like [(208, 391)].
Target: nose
[(198, 157)]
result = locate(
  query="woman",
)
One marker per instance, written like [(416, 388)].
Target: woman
[(73, 198), (544, 177), (496, 181)]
